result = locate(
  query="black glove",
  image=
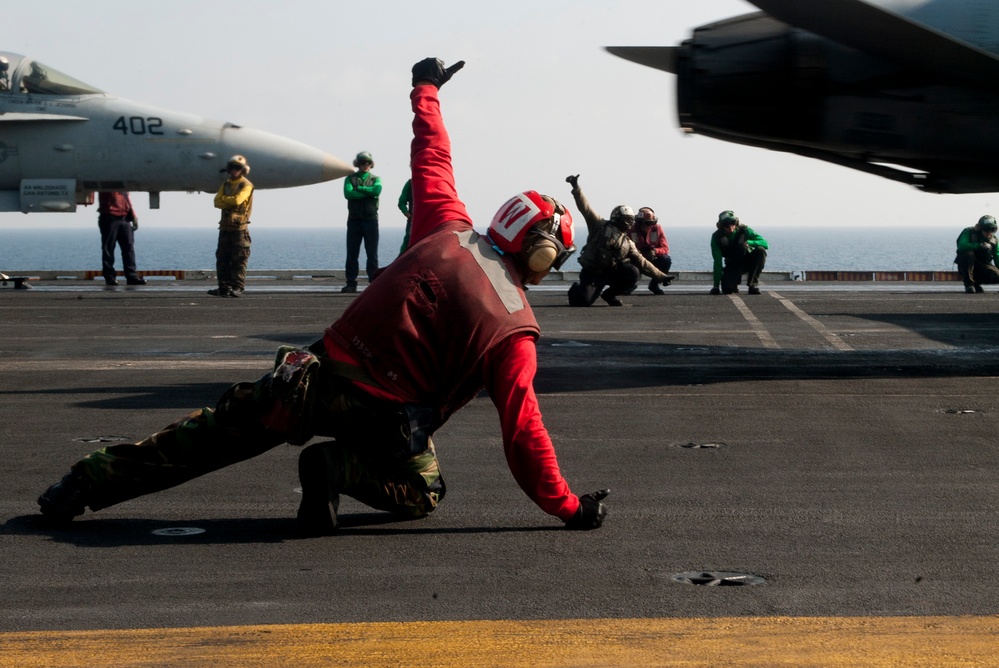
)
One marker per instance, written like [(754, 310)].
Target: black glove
[(715, 291), (433, 70), (987, 247), (591, 512), (573, 181)]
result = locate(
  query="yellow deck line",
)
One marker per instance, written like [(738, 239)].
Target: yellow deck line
[(933, 642)]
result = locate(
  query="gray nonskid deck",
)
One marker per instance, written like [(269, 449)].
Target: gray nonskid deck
[(839, 443)]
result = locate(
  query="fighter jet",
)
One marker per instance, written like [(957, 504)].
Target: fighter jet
[(61, 140), (905, 89)]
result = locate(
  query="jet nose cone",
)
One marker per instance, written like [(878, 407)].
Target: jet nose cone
[(335, 168), (278, 162)]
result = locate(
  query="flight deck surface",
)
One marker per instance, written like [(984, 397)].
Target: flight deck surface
[(835, 444)]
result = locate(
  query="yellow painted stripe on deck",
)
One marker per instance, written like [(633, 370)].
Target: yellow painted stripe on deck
[(933, 642)]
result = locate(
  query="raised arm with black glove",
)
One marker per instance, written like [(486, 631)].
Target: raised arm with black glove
[(433, 71)]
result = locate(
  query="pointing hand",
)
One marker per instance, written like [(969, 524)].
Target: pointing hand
[(433, 70)]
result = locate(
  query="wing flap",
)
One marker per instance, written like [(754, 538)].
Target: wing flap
[(20, 116), (659, 57)]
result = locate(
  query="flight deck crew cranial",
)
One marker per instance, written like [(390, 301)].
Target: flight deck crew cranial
[(623, 217), (536, 229), (646, 216), (237, 162), (726, 218), (364, 158)]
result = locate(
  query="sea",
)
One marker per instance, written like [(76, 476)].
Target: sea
[(42, 248)]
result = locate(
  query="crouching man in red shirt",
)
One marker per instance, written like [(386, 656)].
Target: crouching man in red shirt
[(462, 324)]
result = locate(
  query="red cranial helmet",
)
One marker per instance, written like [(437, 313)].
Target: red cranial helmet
[(530, 211)]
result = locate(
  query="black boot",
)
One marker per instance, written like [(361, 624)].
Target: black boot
[(320, 470), (611, 298), (64, 500)]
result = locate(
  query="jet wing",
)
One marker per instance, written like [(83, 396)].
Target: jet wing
[(889, 35), (659, 57), (23, 116)]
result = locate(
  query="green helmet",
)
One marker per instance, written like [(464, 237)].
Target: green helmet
[(988, 223), (364, 156), (727, 218)]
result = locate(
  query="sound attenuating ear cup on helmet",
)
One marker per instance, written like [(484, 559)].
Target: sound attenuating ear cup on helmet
[(542, 256)]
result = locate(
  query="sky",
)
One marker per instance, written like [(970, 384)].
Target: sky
[(538, 99)]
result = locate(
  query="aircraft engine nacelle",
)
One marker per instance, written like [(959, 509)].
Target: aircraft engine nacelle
[(748, 77), (757, 81)]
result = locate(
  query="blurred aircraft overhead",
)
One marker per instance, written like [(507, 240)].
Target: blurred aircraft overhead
[(905, 89)]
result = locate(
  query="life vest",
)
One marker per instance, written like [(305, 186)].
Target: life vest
[(732, 247), (238, 217), (423, 327), (364, 208), (977, 237), (606, 249)]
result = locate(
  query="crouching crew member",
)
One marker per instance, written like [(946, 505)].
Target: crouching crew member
[(609, 258), (381, 392), (978, 255), (742, 250), (651, 242)]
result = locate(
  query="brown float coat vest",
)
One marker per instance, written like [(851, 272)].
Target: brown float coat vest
[(234, 217), (365, 208), (977, 237), (423, 327)]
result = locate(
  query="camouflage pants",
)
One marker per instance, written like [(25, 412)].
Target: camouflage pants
[(231, 257), (389, 460), (620, 280)]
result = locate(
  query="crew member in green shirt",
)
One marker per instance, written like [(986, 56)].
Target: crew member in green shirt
[(977, 255), (361, 190), (736, 250), (406, 206)]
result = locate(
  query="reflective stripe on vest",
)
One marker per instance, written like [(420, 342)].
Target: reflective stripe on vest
[(493, 267)]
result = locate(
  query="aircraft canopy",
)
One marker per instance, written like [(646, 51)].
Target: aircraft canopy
[(28, 76)]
